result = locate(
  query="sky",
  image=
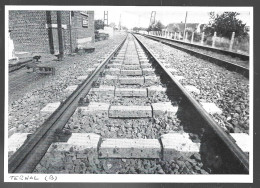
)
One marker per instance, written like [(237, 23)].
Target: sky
[(140, 16)]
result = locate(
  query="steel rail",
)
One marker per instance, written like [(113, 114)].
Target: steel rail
[(26, 158), (227, 139), (229, 65), (19, 65)]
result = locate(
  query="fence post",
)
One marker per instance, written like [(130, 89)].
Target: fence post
[(186, 36), (231, 41), (202, 38), (179, 35), (192, 37), (214, 39)]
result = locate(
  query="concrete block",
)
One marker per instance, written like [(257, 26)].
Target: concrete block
[(191, 88), (151, 79), (130, 67), (148, 71), (172, 70), (131, 92), (131, 62), (50, 108), (103, 90), (70, 89), (131, 80), (117, 60), (179, 77), (95, 65), (80, 145), (16, 141), (211, 108), (11, 131), (131, 72), (130, 55), (82, 77), (176, 145), (143, 57), (115, 65), (146, 65), (154, 90), (94, 108), (167, 65), (242, 140), (113, 71), (89, 70), (130, 148), (130, 111), (120, 56), (162, 108), (144, 61), (88, 140), (110, 79)]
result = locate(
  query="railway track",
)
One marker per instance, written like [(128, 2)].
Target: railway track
[(131, 115), (231, 60), (19, 65)]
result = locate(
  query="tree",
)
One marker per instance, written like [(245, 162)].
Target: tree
[(136, 29), (173, 27), (226, 23), (99, 24), (124, 28), (158, 26)]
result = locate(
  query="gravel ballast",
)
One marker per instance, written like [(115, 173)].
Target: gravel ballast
[(25, 103), (228, 90)]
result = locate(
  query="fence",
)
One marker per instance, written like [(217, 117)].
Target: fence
[(240, 45)]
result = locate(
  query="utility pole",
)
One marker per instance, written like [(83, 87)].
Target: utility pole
[(60, 34), (185, 25), (105, 18)]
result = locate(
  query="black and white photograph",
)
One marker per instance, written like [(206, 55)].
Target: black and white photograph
[(128, 94)]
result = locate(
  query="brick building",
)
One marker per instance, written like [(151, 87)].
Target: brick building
[(36, 30)]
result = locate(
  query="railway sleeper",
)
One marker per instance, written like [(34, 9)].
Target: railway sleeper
[(90, 146)]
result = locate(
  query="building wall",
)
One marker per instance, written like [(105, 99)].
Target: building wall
[(84, 35), (29, 30)]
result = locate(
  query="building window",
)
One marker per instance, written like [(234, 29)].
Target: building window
[(85, 21)]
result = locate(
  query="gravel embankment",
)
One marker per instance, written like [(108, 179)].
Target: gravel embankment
[(25, 103), (235, 60), (228, 90)]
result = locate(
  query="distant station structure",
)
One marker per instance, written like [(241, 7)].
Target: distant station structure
[(37, 31)]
